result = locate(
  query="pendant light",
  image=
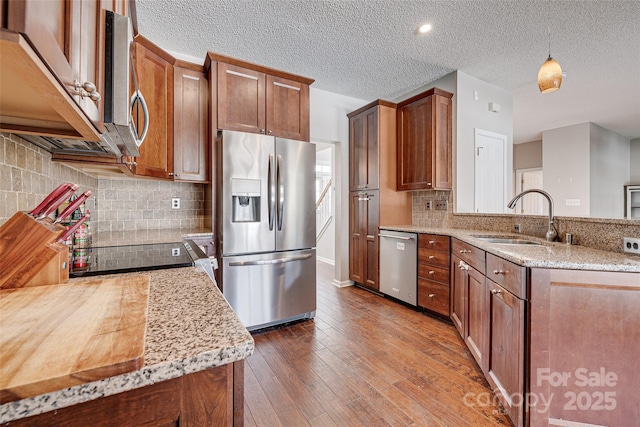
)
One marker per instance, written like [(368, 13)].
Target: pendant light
[(550, 74)]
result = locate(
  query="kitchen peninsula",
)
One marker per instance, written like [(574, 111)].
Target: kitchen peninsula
[(194, 342)]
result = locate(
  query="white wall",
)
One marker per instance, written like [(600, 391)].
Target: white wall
[(527, 155), (634, 172), (475, 114), (565, 168), (609, 172), (329, 123)]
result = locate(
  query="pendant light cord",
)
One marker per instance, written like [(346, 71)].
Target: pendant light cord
[(549, 25)]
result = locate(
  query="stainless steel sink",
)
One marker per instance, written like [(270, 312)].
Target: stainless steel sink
[(507, 240)]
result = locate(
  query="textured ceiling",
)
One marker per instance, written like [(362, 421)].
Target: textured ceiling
[(367, 49)]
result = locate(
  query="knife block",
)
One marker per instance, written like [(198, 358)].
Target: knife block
[(30, 254)]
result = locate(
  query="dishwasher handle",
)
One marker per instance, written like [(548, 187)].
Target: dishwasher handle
[(396, 237)]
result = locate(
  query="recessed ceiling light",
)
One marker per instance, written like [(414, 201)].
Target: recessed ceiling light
[(425, 28)]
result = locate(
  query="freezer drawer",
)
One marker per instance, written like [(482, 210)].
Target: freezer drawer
[(399, 265), (268, 289)]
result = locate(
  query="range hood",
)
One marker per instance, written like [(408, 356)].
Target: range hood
[(121, 137)]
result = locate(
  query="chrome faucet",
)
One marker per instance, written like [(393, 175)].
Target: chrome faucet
[(552, 234)]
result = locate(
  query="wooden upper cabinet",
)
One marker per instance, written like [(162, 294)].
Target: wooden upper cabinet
[(69, 37), (364, 153), (155, 81), (241, 99), (257, 99), (287, 113), (424, 141), (190, 125)]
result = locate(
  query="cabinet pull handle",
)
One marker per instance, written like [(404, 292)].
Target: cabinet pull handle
[(463, 266), (499, 272), (432, 295), (432, 242), (86, 90), (465, 251), (495, 291), (431, 272), (431, 257)]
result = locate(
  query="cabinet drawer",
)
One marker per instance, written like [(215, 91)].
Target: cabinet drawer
[(470, 254), (510, 276), (435, 242), (430, 256), (433, 296), (431, 272)]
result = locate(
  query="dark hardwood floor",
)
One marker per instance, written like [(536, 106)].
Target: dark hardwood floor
[(365, 361)]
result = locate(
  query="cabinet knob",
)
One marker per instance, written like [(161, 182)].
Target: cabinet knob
[(432, 295), (432, 242), (431, 257), (261, 130), (428, 183), (270, 132), (170, 174), (495, 291), (431, 272), (463, 266), (499, 272), (86, 90)]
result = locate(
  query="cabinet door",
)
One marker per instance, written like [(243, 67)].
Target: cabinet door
[(357, 234), (364, 150), (363, 248), (458, 297), (155, 80), (506, 351), (424, 144), (190, 125), (241, 99), (477, 330), (415, 151), (287, 108)]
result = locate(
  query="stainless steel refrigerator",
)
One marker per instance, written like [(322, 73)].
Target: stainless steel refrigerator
[(266, 227)]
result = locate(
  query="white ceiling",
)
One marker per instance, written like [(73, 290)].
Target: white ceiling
[(367, 49)]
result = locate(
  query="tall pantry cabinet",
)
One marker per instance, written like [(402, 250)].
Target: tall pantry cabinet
[(373, 201)]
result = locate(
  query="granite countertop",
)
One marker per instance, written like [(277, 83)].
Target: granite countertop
[(545, 255), (143, 237), (190, 327)]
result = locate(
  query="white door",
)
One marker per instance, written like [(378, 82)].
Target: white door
[(533, 203), (490, 174)]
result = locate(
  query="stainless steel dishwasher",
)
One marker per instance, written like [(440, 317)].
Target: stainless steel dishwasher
[(399, 265)]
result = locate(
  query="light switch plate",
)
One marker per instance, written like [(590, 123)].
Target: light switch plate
[(441, 205)]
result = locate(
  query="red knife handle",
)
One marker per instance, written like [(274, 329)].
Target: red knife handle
[(73, 206), (57, 202), (50, 198), (72, 229)]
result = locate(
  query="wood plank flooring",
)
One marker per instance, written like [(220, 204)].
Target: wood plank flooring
[(365, 361)]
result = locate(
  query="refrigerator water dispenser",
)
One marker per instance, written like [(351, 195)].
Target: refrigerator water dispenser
[(245, 194)]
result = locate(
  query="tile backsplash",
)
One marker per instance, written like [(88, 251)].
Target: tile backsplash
[(598, 233), (27, 175)]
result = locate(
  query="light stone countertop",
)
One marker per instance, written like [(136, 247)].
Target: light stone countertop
[(190, 327), (545, 255)]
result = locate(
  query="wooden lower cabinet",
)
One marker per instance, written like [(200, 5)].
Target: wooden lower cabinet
[(213, 397), (433, 273), (364, 211), (584, 347), (506, 355)]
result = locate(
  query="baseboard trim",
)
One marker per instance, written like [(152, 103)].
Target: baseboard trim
[(325, 260), (342, 284)]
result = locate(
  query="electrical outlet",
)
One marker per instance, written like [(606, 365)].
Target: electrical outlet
[(631, 245), (441, 205), (175, 203), (428, 205), (517, 228), (175, 251)]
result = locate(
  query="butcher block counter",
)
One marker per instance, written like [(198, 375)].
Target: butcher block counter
[(193, 340)]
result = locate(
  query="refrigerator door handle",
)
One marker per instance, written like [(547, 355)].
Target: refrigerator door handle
[(271, 191), (270, 261), (280, 184)]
